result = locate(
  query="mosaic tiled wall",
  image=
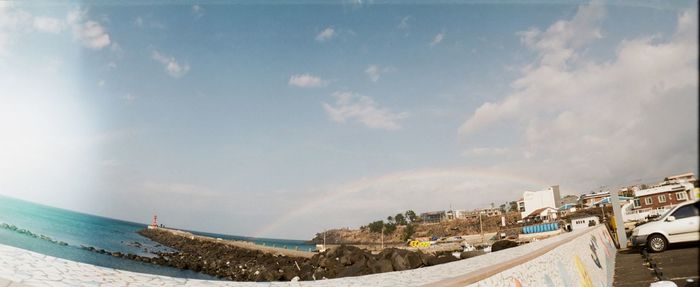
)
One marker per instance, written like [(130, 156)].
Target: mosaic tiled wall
[(588, 260)]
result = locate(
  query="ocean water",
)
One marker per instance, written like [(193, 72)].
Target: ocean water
[(61, 233)]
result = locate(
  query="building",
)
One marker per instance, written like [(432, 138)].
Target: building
[(589, 199), (433, 216), (521, 205), (490, 212), (534, 200), (569, 200), (544, 214), (584, 222), (456, 214), (681, 178), (664, 196)]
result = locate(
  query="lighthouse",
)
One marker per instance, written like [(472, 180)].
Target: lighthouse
[(154, 223)]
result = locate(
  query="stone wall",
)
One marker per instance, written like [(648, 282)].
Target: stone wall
[(580, 258)]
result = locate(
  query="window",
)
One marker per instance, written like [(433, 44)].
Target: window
[(681, 195), (637, 202), (662, 198), (686, 211), (648, 201)]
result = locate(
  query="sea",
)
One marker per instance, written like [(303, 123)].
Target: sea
[(66, 234)]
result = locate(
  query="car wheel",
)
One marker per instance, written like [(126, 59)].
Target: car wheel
[(657, 243)]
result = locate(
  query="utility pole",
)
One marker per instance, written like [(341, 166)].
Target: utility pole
[(324, 238), (382, 235), (619, 221), (481, 227)]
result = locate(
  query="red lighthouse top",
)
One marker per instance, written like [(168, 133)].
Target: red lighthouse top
[(154, 223)]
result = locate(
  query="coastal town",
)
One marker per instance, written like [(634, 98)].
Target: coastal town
[(639, 202), (408, 241)]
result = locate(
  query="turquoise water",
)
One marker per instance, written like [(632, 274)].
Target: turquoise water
[(61, 233)]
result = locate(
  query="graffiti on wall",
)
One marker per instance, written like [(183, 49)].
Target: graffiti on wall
[(588, 260)]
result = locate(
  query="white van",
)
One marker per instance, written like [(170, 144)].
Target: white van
[(679, 224)]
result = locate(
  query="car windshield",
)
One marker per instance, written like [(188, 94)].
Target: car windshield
[(662, 215)]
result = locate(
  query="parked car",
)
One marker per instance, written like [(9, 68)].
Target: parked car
[(679, 224)]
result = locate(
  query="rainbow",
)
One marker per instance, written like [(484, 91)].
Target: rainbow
[(366, 184)]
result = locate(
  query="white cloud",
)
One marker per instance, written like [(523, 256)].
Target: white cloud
[(89, 32), (177, 188), (138, 21), (171, 65), (486, 151), (92, 35), (12, 20), (634, 116), (364, 110), (374, 72), (306, 81), (404, 25), (129, 98), (197, 11), (326, 34), (437, 39), (48, 24)]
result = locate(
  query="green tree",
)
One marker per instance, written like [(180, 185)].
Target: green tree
[(376, 226), (408, 232), (389, 228), (400, 219), (390, 219), (411, 216)]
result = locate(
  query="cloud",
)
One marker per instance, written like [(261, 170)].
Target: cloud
[(89, 32), (374, 72), (419, 190), (129, 98), (404, 25), (557, 44), (486, 151), (437, 39), (364, 110), (171, 65), (326, 35), (176, 188), (12, 20), (306, 81), (92, 35), (48, 24), (197, 11), (584, 121)]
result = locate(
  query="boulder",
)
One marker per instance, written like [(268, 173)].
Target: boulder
[(380, 265), (470, 254), (503, 244)]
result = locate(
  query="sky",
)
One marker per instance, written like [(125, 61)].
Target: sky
[(281, 119)]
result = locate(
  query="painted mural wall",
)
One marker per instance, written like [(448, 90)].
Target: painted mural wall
[(588, 260)]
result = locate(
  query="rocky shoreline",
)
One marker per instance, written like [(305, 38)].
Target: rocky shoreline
[(217, 258)]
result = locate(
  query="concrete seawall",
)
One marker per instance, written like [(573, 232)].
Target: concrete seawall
[(582, 258)]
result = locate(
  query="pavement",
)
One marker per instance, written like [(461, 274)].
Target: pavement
[(678, 264)]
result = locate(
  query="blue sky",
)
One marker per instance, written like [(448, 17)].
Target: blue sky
[(284, 119)]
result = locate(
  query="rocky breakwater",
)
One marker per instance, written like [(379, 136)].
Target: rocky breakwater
[(218, 258)]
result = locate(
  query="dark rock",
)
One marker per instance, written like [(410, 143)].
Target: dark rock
[(503, 244), (470, 254)]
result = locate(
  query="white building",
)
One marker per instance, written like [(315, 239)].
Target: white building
[(534, 200), (583, 222), (544, 214)]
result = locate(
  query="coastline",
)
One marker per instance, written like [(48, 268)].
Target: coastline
[(240, 244)]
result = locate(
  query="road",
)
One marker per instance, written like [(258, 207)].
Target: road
[(677, 264)]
